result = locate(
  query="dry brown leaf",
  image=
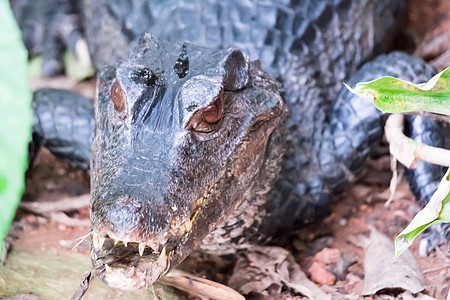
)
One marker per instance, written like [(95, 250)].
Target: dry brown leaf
[(383, 271), (268, 269)]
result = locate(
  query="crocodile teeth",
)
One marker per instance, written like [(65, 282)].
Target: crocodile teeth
[(116, 242), (141, 248), (82, 53), (163, 253), (101, 241), (108, 269), (154, 248), (125, 244), (131, 272), (188, 225), (95, 240)]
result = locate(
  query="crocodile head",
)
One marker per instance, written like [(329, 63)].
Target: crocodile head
[(181, 135)]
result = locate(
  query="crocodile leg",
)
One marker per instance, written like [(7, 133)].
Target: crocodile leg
[(342, 144), (64, 124), (425, 177), (48, 28)]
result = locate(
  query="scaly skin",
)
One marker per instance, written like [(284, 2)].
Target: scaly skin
[(165, 180), (310, 46), (49, 27), (64, 124)]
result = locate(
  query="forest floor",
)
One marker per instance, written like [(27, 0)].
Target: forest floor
[(331, 253)]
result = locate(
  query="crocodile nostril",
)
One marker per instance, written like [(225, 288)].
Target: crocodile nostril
[(118, 97)]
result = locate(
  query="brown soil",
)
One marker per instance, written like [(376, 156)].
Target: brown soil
[(345, 229)]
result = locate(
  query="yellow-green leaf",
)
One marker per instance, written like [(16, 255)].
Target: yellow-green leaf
[(436, 211), (396, 96), (15, 116)]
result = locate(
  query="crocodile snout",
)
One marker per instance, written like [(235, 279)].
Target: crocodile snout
[(130, 219)]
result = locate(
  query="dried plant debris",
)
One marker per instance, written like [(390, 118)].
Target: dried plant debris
[(121, 267), (200, 287), (86, 281), (268, 270), (63, 205), (384, 272), (433, 44)]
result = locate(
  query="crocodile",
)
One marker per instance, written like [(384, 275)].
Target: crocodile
[(222, 124)]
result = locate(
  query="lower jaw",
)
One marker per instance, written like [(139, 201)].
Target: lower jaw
[(124, 268)]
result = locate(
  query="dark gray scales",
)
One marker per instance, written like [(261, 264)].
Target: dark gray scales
[(311, 46)]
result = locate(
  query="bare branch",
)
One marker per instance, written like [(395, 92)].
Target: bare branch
[(65, 204), (199, 286)]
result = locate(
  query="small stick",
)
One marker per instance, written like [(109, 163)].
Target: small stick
[(394, 181), (80, 240), (62, 218), (433, 269), (65, 204), (86, 281), (199, 286)]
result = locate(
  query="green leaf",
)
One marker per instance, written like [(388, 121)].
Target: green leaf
[(34, 67), (396, 96), (436, 211), (76, 69), (15, 116)]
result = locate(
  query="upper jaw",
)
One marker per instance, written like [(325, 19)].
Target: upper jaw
[(132, 263), (144, 241), (154, 244), (133, 259), (121, 266)]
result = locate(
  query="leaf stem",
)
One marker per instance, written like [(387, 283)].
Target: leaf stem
[(407, 151)]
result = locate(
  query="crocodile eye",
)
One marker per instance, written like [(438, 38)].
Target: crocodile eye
[(213, 113), (117, 97), (208, 118)]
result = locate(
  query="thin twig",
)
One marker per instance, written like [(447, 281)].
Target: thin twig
[(65, 204), (200, 286), (86, 281), (80, 240), (433, 269), (394, 181), (62, 218)]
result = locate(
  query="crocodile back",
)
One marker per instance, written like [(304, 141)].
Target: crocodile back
[(266, 30), (311, 46)]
